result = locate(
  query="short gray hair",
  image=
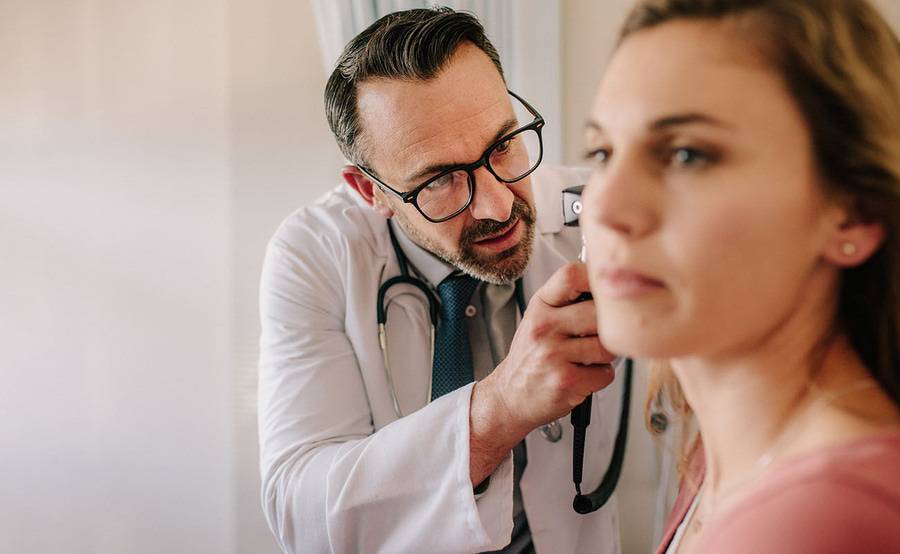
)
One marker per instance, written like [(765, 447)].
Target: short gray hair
[(409, 45)]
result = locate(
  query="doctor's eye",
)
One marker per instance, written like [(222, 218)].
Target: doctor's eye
[(441, 182), (504, 146)]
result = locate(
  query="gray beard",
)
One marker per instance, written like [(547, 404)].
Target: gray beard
[(500, 269)]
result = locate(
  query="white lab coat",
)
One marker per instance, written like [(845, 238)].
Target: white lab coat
[(340, 472)]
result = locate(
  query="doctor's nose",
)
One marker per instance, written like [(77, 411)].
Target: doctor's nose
[(493, 199)]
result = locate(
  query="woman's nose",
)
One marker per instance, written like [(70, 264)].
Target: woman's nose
[(621, 199)]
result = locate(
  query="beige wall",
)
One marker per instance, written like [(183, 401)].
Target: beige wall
[(589, 33)]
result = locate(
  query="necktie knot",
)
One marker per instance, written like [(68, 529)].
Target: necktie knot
[(455, 293)]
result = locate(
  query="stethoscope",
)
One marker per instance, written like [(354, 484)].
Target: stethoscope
[(552, 432)]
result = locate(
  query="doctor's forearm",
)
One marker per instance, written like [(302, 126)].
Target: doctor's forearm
[(492, 432)]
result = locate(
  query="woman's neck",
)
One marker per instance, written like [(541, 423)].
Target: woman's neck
[(753, 408), (741, 408)]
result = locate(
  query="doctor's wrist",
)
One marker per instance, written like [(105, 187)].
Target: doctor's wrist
[(492, 414), (493, 431)]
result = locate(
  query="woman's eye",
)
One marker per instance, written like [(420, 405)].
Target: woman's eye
[(688, 157), (599, 156)]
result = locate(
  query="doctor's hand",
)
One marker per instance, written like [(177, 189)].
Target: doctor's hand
[(556, 358), (555, 361)]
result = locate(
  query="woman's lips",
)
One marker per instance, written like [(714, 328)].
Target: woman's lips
[(505, 240), (625, 283)]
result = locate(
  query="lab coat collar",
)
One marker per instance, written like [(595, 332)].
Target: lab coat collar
[(432, 268)]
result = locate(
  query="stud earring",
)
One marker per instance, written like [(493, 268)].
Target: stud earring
[(848, 249)]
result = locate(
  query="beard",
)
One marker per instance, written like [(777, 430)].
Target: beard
[(500, 268)]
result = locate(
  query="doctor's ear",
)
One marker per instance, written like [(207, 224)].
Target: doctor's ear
[(366, 189), (854, 242)]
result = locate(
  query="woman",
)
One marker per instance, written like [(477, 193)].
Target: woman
[(742, 225)]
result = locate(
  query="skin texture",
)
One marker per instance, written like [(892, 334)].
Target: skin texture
[(712, 245), (555, 359)]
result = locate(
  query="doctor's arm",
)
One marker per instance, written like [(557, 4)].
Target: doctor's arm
[(331, 483)]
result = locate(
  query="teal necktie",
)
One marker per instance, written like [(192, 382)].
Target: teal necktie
[(453, 367)]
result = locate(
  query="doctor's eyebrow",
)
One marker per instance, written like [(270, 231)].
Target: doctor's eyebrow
[(433, 169), (670, 121)]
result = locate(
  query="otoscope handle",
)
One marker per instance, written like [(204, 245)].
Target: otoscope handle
[(581, 415), (581, 418)]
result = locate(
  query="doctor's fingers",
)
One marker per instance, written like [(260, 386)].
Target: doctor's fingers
[(586, 379), (577, 320), (587, 351), (565, 285), (543, 322)]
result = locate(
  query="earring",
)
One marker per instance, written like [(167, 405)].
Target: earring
[(848, 249)]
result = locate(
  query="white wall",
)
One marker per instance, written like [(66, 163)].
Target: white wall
[(147, 152), (282, 157), (115, 285)]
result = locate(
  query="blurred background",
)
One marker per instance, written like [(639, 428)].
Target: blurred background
[(148, 150)]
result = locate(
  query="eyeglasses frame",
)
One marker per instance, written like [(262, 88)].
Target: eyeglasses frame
[(410, 197)]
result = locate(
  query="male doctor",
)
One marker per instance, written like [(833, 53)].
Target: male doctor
[(398, 451)]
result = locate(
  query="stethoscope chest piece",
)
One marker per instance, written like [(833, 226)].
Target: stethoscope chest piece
[(552, 431), (659, 422)]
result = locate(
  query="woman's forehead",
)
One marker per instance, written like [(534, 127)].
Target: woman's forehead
[(686, 68)]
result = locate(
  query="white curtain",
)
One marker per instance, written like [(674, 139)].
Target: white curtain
[(526, 33)]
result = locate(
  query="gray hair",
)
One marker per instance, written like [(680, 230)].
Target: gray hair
[(409, 45)]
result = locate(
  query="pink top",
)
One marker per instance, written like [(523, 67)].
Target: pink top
[(840, 499)]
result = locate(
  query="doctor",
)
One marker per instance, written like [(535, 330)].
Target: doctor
[(398, 451)]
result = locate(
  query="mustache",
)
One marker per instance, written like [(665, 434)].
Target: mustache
[(485, 227)]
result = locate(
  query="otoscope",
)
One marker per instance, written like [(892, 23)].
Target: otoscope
[(581, 415)]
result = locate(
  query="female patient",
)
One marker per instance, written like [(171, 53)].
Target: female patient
[(742, 225)]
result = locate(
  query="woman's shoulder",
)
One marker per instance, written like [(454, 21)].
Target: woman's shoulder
[(844, 498)]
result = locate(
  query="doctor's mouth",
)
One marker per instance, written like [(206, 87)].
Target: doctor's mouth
[(504, 240)]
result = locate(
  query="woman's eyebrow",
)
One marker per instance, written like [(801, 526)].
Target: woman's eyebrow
[(677, 120), (670, 121), (592, 125)]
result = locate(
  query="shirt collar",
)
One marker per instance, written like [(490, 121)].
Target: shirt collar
[(432, 268)]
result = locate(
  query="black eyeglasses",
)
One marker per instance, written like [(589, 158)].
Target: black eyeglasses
[(450, 192)]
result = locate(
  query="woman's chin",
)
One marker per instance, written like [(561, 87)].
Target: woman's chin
[(641, 345)]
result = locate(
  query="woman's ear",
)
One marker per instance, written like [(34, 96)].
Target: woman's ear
[(854, 242), (367, 190)]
